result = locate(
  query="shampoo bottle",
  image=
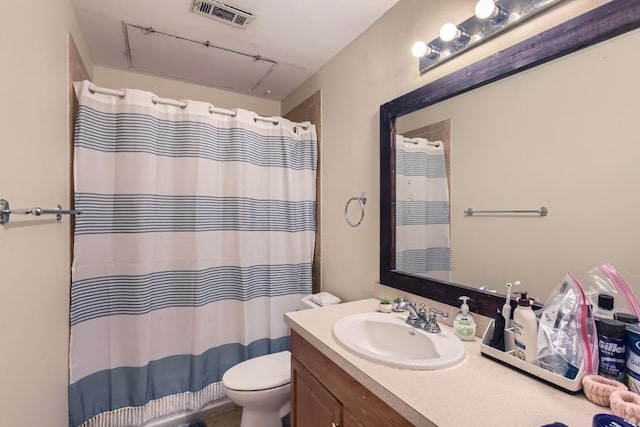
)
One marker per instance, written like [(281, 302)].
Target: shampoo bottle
[(464, 326), (525, 329)]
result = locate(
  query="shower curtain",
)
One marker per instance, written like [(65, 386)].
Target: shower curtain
[(422, 209), (196, 236)]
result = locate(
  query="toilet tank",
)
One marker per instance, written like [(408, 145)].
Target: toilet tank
[(306, 303)]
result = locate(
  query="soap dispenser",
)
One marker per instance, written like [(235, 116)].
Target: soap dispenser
[(464, 326), (525, 330)]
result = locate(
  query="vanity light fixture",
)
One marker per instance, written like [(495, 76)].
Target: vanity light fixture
[(491, 17), (420, 49)]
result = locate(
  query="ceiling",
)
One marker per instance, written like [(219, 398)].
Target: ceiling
[(287, 42)]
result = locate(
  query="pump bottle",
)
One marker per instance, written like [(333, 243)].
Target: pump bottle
[(525, 329), (464, 326)]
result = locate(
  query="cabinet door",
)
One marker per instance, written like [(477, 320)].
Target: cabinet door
[(366, 407), (349, 420), (311, 404)]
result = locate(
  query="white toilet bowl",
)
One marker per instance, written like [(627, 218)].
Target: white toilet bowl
[(262, 386)]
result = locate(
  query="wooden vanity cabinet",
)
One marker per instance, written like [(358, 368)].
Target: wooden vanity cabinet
[(324, 395)]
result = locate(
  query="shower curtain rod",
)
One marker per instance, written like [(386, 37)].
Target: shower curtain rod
[(181, 104), (416, 142)]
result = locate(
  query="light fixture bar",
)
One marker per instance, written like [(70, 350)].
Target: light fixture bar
[(507, 14)]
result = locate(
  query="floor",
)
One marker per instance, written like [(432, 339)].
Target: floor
[(229, 418), (225, 419)]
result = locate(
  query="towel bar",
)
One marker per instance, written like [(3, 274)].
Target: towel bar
[(6, 211), (543, 211)]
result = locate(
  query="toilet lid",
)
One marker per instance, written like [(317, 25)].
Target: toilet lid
[(260, 373)]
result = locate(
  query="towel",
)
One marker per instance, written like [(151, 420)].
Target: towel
[(325, 298)]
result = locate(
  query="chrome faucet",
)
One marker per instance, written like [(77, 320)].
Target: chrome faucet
[(418, 318)]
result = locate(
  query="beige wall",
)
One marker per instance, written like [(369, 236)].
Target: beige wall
[(34, 253), (167, 88), (372, 70), (34, 260)]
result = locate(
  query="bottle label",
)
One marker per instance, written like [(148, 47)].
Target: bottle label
[(612, 357), (464, 328), (633, 360), (521, 347)]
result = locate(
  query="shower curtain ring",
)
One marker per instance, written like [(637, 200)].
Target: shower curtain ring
[(362, 199)]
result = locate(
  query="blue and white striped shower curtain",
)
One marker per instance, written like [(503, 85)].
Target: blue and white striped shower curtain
[(422, 209), (196, 236)]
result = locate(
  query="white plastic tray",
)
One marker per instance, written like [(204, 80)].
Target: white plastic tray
[(507, 358)]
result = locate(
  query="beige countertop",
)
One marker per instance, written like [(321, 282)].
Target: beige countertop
[(478, 392)]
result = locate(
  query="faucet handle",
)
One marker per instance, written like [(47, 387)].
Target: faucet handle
[(433, 313), (422, 311), (432, 323)]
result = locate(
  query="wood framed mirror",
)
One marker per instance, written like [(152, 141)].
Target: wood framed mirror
[(613, 19)]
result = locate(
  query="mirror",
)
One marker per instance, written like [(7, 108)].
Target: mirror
[(575, 156)]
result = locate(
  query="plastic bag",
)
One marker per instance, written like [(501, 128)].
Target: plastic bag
[(567, 337), (604, 279)]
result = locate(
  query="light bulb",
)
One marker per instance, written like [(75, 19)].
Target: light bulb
[(449, 32), (486, 9), (419, 49)]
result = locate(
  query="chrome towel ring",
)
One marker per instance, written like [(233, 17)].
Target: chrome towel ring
[(362, 199)]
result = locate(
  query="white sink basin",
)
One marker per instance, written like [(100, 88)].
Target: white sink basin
[(387, 339)]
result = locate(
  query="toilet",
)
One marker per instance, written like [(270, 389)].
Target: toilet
[(262, 385)]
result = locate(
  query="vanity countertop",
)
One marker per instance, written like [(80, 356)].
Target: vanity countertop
[(478, 392)]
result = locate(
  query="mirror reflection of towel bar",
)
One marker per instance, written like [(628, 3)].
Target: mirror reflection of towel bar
[(543, 211)]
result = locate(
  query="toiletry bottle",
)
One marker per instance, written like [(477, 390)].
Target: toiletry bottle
[(626, 318), (605, 307), (612, 352), (464, 325), (525, 329)]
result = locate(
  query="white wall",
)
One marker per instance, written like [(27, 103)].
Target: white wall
[(34, 171), (372, 70), (167, 88)]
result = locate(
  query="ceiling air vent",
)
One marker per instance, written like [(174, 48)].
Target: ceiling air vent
[(223, 12)]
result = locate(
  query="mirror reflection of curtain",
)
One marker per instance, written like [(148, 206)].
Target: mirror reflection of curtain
[(422, 209)]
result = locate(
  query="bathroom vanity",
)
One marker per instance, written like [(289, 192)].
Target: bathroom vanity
[(333, 387), (323, 394)]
